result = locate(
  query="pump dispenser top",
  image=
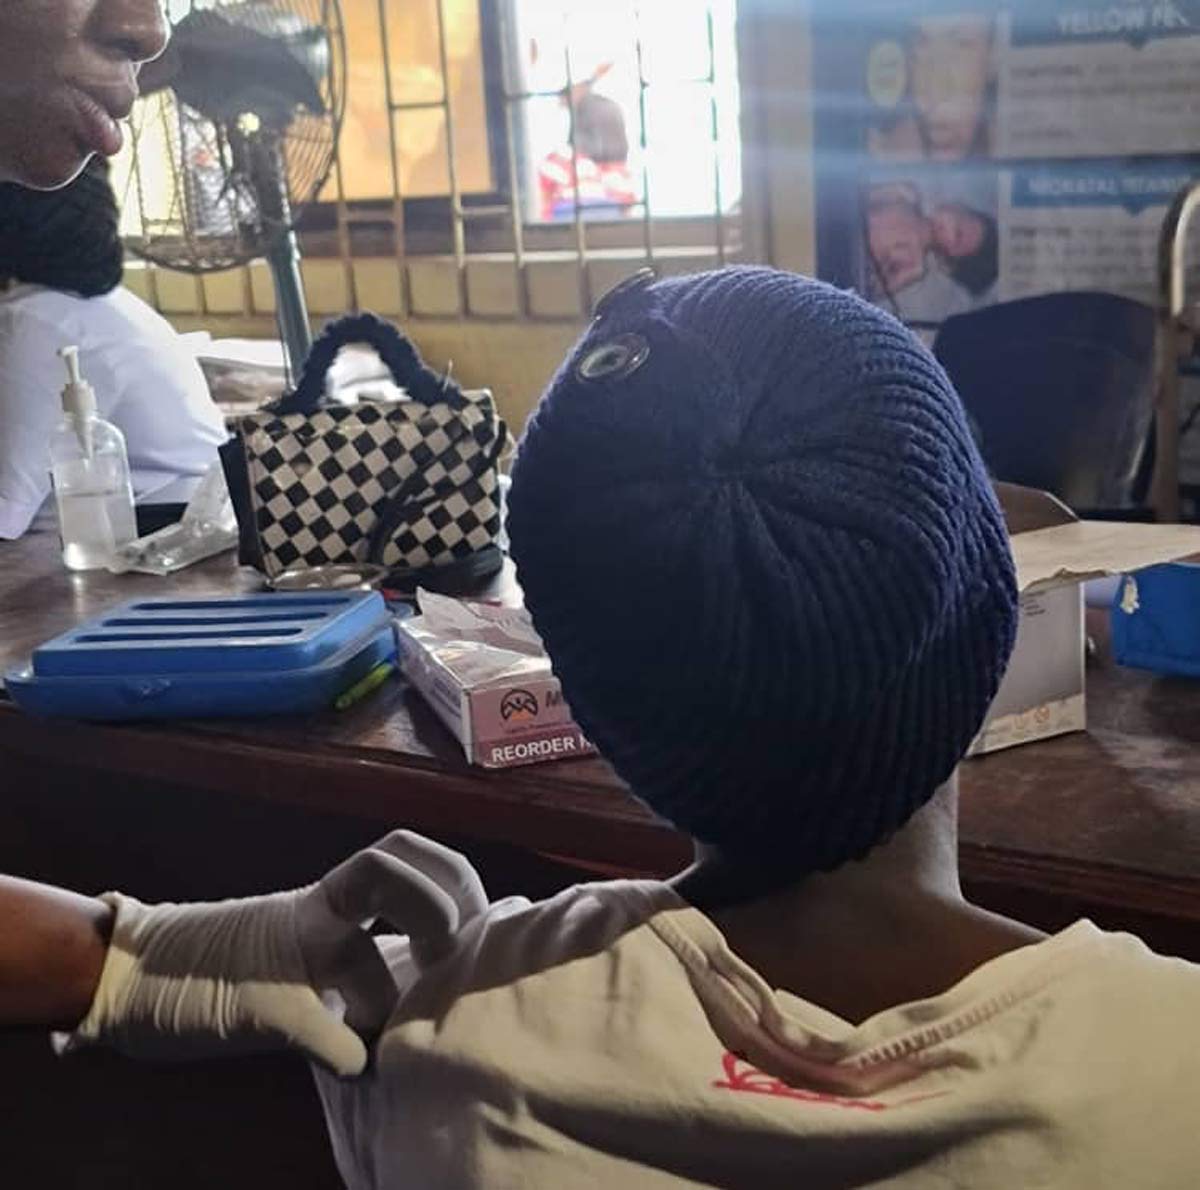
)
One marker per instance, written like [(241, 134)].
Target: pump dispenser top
[(78, 399)]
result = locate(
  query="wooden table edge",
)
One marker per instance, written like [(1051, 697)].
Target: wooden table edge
[(532, 808)]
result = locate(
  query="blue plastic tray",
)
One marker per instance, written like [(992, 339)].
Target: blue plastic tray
[(229, 657)]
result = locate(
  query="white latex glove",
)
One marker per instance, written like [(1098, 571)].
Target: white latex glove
[(248, 975)]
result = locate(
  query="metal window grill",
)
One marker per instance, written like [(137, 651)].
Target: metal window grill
[(496, 228)]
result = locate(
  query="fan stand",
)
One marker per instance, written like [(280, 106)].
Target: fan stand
[(282, 250)]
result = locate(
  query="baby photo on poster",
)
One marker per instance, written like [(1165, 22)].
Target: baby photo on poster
[(931, 243)]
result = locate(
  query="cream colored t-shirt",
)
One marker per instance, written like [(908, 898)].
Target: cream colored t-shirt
[(609, 1038)]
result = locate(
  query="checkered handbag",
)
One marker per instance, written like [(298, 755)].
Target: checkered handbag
[(411, 484)]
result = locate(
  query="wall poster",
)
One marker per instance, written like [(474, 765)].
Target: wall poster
[(992, 151), (972, 152)]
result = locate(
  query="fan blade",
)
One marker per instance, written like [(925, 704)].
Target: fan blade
[(227, 70)]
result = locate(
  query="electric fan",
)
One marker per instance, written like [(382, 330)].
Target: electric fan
[(236, 130)]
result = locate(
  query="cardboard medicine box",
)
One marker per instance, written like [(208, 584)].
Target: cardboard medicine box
[(485, 674), (1043, 692)]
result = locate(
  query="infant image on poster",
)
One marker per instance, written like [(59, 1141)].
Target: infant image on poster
[(934, 91), (932, 246)]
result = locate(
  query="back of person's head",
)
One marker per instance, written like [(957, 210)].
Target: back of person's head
[(600, 129), (761, 548), (64, 239)]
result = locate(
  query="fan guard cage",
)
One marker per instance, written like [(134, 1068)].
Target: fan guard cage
[(184, 204)]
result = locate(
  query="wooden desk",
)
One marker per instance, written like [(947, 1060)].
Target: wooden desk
[(1105, 823), (1110, 817)]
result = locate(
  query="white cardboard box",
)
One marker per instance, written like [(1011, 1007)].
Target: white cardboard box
[(483, 671), (1042, 694)]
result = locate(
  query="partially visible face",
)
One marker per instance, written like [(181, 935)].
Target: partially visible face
[(951, 63), (898, 235), (68, 73), (957, 231)]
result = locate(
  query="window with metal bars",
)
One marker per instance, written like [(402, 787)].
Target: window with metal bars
[(508, 134)]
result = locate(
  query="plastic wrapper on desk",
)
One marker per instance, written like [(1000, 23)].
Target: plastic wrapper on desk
[(1156, 620), (207, 527)]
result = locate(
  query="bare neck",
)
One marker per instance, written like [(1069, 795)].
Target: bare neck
[(876, 932)]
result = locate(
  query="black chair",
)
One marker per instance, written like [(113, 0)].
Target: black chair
[(1060, 391)]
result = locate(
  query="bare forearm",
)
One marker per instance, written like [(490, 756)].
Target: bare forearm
[(52, 948)]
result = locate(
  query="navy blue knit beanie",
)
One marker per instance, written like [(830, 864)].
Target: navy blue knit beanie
[(761, 548)]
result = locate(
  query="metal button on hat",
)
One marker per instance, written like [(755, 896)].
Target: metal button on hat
[(614, 359)]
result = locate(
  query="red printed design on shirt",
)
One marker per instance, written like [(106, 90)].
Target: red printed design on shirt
[(741, 1076)]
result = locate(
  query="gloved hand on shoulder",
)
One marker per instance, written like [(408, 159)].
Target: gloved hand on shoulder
[(276, 971)]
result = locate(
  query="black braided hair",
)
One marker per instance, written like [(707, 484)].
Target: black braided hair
[(65, 239), (394, 348)]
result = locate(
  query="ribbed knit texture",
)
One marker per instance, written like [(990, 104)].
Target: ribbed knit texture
[(768, 565), (65, 239)]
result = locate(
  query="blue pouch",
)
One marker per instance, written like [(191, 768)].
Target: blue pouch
[(195, 658), (1156, 620)]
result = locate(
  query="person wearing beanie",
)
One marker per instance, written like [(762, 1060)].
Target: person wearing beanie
[(61, 264), (761, 549)]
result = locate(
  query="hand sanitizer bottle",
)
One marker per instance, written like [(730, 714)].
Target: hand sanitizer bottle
[(90, 470)]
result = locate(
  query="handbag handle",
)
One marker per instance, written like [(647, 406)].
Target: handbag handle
[(394, 348)]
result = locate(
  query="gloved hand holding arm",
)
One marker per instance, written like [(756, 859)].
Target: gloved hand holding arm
[(259, 973)]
